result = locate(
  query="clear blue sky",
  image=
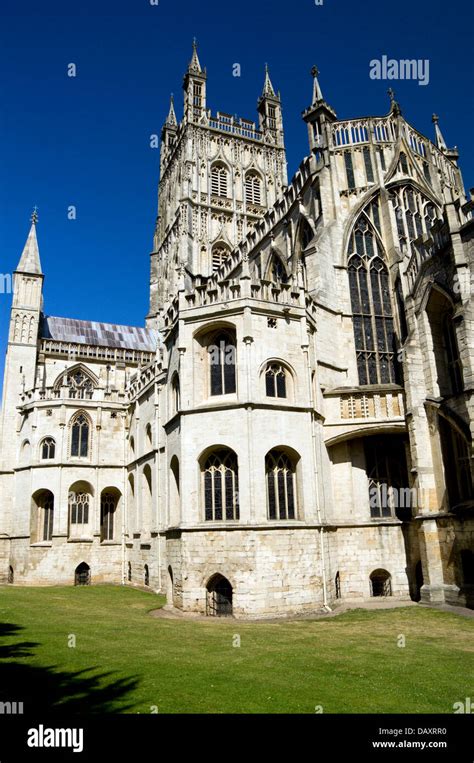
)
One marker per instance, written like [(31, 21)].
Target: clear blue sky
[(84, 141)]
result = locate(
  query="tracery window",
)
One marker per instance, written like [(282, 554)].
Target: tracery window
[(79, 508), (48, 448), (389, 493), (220, 253), (221, 486), (108, 504), (219, 180), (414, 213), (45, 506), (276, 270), (275, 380), (280, 473), (80, 436), (253, 188), (80, 386), (371, 306)]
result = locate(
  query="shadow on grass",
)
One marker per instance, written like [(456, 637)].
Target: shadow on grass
[(48, 690)]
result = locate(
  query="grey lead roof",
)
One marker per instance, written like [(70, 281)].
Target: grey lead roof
[(99, 334)]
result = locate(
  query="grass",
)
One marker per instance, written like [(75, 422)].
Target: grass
[(127, 661)]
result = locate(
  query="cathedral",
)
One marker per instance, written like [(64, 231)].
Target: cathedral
[(292, 426)]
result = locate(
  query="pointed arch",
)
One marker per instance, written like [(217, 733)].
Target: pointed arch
[(276, 270), (219, 178), (253, 187), (371, 303), (80, 381), (304, 235), (80, 428), (220, 252), (220, 476)]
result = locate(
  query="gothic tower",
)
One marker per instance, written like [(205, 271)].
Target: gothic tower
[(219, 174), (20, 363)]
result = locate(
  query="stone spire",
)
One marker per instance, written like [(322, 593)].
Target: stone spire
[(440, 142), (171, 120), (450, 153), (317, 92), (30, 259), (194, 65), (268, 90), (317, 115)]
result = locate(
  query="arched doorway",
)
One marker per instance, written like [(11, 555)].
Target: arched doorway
[(219, 597), (82, 574), (380, 583), (11, 575)]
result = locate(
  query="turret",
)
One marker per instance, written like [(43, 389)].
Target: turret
[(21, 359), (318, 115), (168, 136), (270, 113), (450, 153), (194, 86)]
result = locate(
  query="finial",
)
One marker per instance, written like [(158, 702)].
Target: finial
[(440, 141), (317, 92), (394, 105), (34, 216), (195, 42)]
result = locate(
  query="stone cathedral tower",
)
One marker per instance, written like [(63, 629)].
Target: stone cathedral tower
[(219, 174)]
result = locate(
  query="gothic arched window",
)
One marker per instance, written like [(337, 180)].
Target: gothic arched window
[(281, 487), (48, 448), (220, 253), (371, 307), (222, 360), (108, 505), (79, 508), (389, 494), (253, 188), (80, 386), (275, 380), (221, 486), (80, 436), (276, 270), (219, 180), (44, 505)]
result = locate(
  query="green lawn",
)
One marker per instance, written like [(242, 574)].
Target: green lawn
[(127, 661)]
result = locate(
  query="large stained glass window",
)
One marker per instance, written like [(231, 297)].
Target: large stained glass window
[(371, 306)]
